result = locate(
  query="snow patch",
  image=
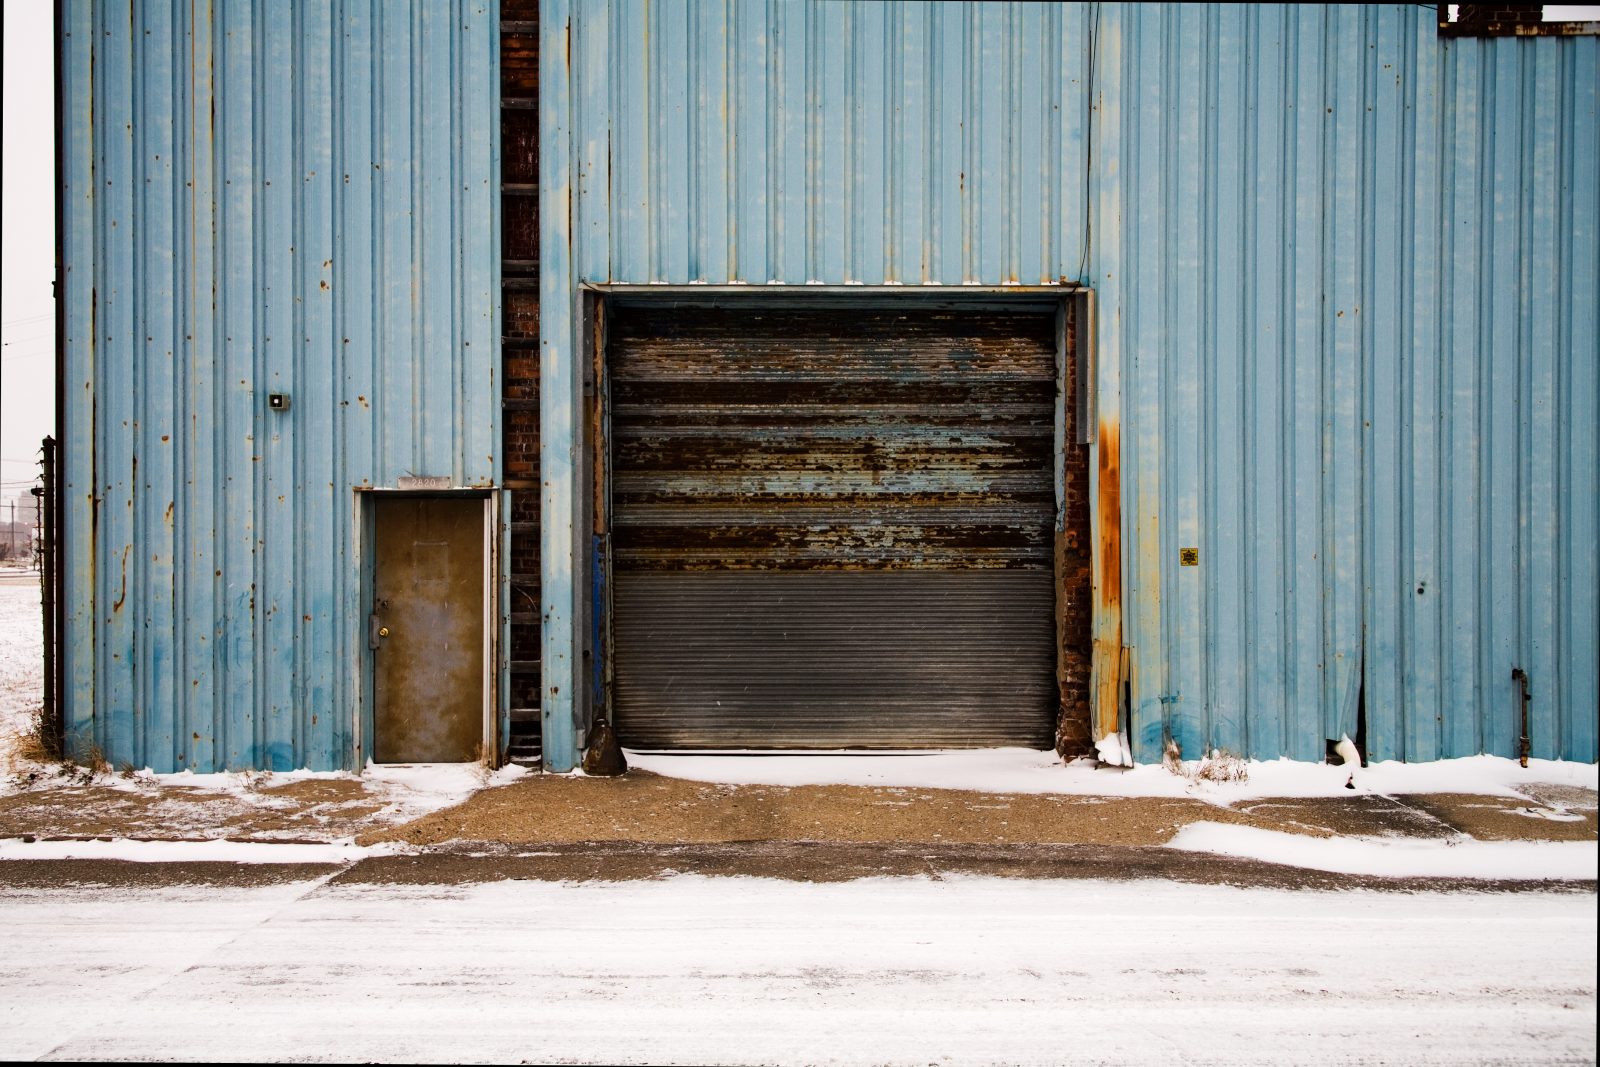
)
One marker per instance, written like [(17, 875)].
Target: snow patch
[(341, 852), (1397, 857), (1111, 750), (1021, 770), (21, 660)]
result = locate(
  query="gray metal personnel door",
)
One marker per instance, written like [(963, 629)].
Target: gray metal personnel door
[(831, 527), (427, 629)]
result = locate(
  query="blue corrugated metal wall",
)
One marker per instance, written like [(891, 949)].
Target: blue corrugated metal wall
[(1347, 271), (261, 198), (1346, 277)]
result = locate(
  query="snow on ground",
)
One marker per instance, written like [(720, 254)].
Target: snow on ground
[(1021, 770), (130, 851), (265, 805), (410, 790), (21, 658), (739, 970), (1397, 857)]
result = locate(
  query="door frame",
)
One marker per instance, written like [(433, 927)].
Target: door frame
[(365, 536), (591, 565)]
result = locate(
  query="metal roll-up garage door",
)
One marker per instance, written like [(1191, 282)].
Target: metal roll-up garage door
[(832, 528)]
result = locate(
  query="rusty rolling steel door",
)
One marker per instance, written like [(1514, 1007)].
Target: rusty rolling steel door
[(427, 629), (832, 527)]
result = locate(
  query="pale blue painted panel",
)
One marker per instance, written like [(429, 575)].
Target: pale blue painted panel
[(239, 437), (631, 132), (1542, 597), (197, 557), (1383, 447), (115, 314), (229, 201), (790, 145), (156, 346), (1144, 372), (1223, 545), (1266, 391), (710, 136), (947, 60), (1420, 610), (79, 653), (1579, 582), (749, 121), (559, 395), (1353, 32)]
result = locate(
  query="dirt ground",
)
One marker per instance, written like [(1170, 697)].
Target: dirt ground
[(649, 809)]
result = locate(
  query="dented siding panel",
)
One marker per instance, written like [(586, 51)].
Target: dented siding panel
[(1345, 340), (291, 198)]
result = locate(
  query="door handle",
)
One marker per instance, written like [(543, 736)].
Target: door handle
[(375, 632)]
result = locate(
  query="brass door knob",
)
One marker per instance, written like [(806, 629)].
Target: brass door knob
[(383, 631)]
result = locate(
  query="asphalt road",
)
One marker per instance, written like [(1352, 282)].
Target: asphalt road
[(834, 954)]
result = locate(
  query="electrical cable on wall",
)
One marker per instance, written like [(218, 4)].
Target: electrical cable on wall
[(1088, 151)]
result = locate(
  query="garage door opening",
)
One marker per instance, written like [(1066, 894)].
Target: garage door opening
[(834, 526)]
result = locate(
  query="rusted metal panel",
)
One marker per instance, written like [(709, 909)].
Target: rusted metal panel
[(290, 198), (835, 496), (1108, 649)]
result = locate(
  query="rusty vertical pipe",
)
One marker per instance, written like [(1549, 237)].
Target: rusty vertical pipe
[(1520, 676)]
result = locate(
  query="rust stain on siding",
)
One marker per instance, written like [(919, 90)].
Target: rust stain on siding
[(1108, 579)]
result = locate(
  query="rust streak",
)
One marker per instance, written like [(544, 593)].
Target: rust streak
[(1108, 579), (122, 596)]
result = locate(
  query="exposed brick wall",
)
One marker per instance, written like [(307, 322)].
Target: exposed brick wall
[(1074, 575), (1507, 14), (519, 200)]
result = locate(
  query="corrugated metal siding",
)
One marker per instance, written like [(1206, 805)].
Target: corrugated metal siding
[(829, 526), (1347, 271), (917, 143), (1346, 326), (835, 659), (261, 198)]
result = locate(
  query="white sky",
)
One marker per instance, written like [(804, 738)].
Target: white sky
[(27, 366)]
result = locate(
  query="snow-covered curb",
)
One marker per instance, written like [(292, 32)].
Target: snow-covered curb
[(1020, 770), (1397, 857), (407, 791), (340, 852)]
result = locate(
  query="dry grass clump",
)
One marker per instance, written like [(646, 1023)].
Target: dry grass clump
[(1220, 766), (29, 746), (30, 759)]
